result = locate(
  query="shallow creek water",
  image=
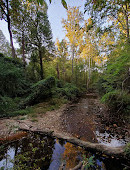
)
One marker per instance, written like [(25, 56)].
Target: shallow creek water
[(35, 151), (110, 140)]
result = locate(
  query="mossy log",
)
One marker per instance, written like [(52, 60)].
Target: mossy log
[(95, 147)]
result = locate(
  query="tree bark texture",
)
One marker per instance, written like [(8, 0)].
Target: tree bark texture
[(57, 69), (9, 29), (41, 64), (23, 49)]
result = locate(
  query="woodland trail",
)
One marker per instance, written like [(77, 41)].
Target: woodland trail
[(78, 119)]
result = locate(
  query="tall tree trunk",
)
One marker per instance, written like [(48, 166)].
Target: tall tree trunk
[(23, 49), (127, 25), (76, 75), (9, 29), (84, 75), (41, 65), (89, 72), (72, 62), (63, 73), (57, 69)]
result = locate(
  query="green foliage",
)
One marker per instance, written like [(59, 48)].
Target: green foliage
[(64, 4), (113, 85), (101, 10), (6, 104), (12, 78), (67, 90), (117, 99), (62, 1), (94, 79), (59, 83), (46, 88), (71, 91), (9, 107), (88, 162), (21, 112), (29, 159), (39, 91), (127, 150)]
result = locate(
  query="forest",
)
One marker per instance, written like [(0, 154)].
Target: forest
[(43, 75)]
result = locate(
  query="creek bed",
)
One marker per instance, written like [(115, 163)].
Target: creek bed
[(35, 151)]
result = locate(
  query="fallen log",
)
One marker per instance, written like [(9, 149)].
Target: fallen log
[(94, 147)]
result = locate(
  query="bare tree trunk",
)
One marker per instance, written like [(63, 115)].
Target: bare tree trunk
[(41, 64), (23, 49), (76, 73), (57, 69), (72, 61), (63, 73), (9, 29), (127, 25), (89, 73)]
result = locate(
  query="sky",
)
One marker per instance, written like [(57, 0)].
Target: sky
[(55, 14)]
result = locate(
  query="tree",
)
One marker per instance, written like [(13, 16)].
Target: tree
[(39, 32), (73, 30), (19, 25), (4, 45), (40, 2), (102, 10), (61, 57), (5, 13)]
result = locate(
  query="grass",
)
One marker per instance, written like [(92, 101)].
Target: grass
[(41, 108), (34, 120), (21, 112), (58, 95), (48, 105)]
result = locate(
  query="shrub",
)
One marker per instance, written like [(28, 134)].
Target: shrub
[(6, 105), (69, 91), (114, 85), (12, 79), (117, 99), (39, 91)]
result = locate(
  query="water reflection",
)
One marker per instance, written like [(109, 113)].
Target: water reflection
[(72, 155), (110, 140), (28, 153), (57, 156), (35, 151)]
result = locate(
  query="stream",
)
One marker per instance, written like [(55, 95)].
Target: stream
[(35, 151), (85, 119)]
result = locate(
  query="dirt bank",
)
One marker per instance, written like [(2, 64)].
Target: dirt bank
[(78, 119)]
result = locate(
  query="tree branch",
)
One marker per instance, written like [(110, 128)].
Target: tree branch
[(119, 21), (3, 10)]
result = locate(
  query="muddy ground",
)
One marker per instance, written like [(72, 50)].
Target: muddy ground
[(79, 119)]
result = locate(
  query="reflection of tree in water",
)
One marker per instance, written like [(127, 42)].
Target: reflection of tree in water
[(34, 151), (6, 143), (3, 152), (72, 155)]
